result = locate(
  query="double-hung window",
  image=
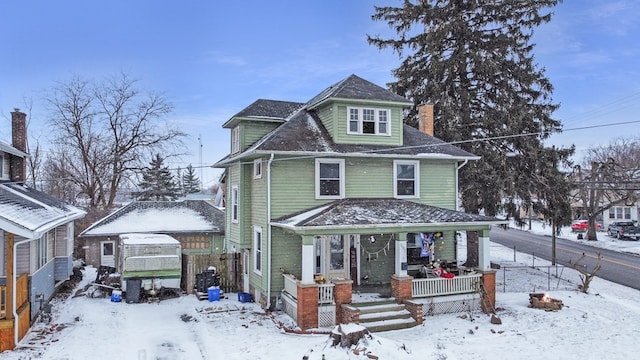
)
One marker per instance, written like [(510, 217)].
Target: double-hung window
[(235, 204), (235, 140), (330, 179), (257, 168), (368, 121), (406, 179), (257, 249)]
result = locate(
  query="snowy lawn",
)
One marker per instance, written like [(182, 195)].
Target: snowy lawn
[(603, 324)]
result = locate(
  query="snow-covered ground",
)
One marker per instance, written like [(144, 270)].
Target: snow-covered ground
[(603, 324)]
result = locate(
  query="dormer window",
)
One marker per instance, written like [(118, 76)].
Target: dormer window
[(365, 121)]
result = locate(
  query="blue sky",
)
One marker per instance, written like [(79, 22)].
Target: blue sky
[(213, 58)]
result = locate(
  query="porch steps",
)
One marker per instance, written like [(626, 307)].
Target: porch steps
[(384, 315)]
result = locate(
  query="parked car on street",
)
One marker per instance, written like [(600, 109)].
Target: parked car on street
[(624, 230), (582, 225)]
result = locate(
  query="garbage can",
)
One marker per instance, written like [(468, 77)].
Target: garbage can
[(214, 293), (134, 287)]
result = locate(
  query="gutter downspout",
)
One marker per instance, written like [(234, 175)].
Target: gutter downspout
[(457, 186), (269, 230), (15, 311)]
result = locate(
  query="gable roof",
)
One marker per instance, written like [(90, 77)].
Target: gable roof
[(379, 213), (31, 213), (160, 217)]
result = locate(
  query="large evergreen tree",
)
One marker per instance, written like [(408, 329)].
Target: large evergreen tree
[(473, 61), (157, 182), (190, 182)]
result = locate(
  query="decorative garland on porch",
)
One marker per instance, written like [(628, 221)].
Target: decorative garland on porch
[(374, 254)]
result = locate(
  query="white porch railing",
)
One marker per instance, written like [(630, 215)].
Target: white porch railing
[(290, 285), (442, 286), (325, 291)]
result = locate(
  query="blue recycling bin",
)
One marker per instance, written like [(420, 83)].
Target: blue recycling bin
[(214, 293), (116, 296)]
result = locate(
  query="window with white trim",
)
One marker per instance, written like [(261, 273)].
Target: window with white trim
[(330, 178), (257, 168), (619, 212), (406, 179), (368, 121), (257, 249), (235, 140), (235, 204)]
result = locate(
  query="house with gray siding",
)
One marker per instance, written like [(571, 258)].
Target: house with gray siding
[(337, 195), (36, 240)]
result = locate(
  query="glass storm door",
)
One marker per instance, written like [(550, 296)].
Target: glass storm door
[(107, 253)]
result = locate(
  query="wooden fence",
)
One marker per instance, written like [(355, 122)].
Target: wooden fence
[(227, 266)]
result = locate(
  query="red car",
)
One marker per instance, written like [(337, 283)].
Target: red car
[(582, 225)]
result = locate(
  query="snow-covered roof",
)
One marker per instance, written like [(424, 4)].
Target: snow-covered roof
[(385, 212), (145, 239), (160, 217), (11, 150), (30, 213)]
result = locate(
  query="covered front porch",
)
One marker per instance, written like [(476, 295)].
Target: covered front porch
[(410, 249)]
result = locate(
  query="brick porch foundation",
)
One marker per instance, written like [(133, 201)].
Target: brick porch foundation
[(488, 295), (401, 288), (307, 306)]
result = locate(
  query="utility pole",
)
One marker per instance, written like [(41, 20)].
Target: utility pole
[(201, 178), (553, 241)]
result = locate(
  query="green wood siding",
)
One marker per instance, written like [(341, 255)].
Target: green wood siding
[(340, 131), (327, 117), (254, 131), (292, 186), (438, 183), (293, 182), (286, 249)]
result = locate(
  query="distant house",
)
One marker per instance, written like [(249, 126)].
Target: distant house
[(37, 235), (338, 195), (197, 224)]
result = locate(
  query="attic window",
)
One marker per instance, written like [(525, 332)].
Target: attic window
[(368, 121)]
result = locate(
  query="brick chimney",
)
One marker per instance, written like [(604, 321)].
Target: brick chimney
[(18, 165), (425, 118)]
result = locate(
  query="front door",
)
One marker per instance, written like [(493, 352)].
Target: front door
[(107, 253), (332, 256)]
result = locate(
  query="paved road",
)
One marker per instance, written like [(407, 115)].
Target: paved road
[(619, 267)]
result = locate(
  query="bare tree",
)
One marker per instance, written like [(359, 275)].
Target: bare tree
[(608, 176), (585, 275), (104, 132)]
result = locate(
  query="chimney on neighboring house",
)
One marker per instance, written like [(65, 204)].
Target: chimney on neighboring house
[(18, 165), (425, 118)]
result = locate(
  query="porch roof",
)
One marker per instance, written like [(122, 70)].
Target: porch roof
[(382, 213)]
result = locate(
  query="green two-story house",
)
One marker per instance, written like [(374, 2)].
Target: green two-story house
[(329, 197)]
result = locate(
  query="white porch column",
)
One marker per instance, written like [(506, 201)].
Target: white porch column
[(401, 257), (307, 260), (484, 256)]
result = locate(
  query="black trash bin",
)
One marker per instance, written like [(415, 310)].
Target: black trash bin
[(134, 287)]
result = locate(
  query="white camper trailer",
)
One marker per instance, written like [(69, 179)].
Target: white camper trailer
[(149, 263)]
